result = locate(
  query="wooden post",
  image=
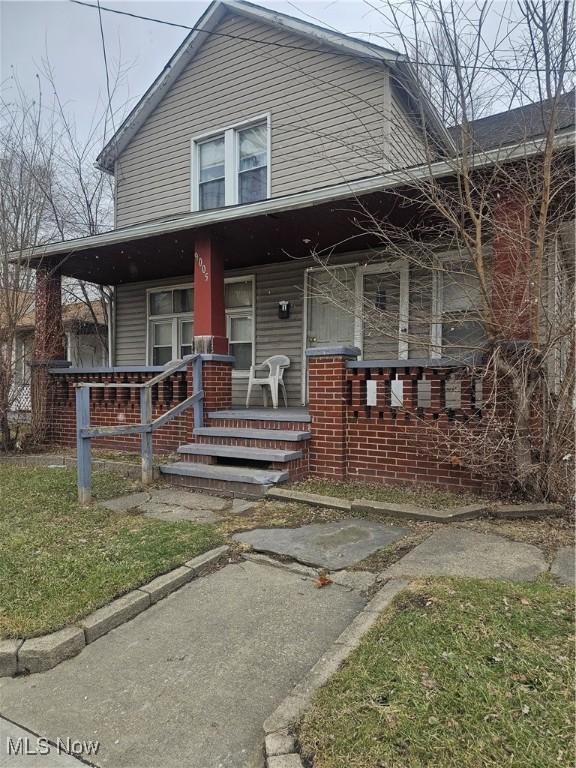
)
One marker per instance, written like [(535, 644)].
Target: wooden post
[(83, 447), (197, 387), (146, 439)]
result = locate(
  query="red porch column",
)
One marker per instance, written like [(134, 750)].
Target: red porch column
[(49, 349), (512, 291), (328, 404), (209, 314), (210, 325)]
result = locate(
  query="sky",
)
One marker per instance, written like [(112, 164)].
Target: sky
[(68, 36)]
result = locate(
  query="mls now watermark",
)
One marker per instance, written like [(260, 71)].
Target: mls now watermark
[(30, 745)]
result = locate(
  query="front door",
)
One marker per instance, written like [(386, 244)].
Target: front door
[(331, 309)]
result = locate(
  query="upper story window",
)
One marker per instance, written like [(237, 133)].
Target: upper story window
[(253, 164), (211, 176), (231, 167)]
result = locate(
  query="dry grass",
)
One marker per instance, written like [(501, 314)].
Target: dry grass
[(455, 674), (60, 560), (427, 496)]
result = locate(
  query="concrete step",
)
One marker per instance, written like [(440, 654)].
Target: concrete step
[(290, 435), (239, 452), (220, 472), (263, 414)]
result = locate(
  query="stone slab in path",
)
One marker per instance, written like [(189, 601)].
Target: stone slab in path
[(171, 504), (190, 681), (457, 552), (563, 567), (333, 546)]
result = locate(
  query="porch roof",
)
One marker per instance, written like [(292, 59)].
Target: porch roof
[(271, 230)]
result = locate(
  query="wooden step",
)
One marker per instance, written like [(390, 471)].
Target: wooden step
[(253, 434), (239, 452)]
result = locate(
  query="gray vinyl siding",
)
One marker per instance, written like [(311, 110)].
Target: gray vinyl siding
[(273, 336), (406, 146), (328, 119)]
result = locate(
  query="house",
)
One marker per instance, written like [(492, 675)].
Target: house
[(244, 178), (85, 332)]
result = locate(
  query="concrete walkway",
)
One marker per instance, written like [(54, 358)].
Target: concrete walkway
[(190, 681), (467, 554)]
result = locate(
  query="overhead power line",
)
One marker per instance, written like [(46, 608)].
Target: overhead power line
[(105, 56), (288, 46)]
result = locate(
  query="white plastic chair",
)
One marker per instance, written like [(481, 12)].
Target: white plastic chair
[(276, 366)]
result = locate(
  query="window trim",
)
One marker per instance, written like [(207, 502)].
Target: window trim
[(231, 155), (176, 317), (239, 311)]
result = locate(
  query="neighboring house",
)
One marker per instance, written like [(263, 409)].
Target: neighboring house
[(84, 347), (259, 145)]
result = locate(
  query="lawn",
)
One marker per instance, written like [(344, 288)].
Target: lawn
[(421, 496), (456, 674), (59, 561)]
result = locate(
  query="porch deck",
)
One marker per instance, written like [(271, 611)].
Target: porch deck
[(299, 414)]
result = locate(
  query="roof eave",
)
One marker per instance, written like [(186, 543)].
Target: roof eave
[(345, 190)]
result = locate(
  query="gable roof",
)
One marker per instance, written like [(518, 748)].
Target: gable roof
[(520, 124), (208, 23)]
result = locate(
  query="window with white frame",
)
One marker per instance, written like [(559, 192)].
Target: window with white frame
[(413, 312), (239, 302), (171, 322), (211, 174), (232, 166)]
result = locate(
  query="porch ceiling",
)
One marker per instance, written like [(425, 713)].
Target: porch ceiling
[(261, 239)]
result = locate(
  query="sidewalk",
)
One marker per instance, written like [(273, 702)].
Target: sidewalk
[(190, 681)]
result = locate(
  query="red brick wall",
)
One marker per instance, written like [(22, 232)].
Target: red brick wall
[(511, 280), (48, 347), (217, 385), (382, 443), (327, 404), (112, 407), (404, 444)]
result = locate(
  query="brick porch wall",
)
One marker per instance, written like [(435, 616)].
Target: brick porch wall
[(401, 445), (112, 407), (381, 443)]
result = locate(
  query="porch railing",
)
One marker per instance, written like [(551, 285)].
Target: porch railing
[(147, 426)]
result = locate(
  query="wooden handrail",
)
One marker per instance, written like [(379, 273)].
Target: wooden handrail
[(85, 433)]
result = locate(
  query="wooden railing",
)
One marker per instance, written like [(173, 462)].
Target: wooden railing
[(147, 426)]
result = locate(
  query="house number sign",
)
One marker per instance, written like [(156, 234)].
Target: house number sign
[(202, 265)]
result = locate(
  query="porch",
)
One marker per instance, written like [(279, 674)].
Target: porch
[(235, 292), (373, 421)]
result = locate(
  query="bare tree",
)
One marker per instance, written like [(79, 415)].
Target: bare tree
[(515, 316), (25, 167), (51, 191)]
